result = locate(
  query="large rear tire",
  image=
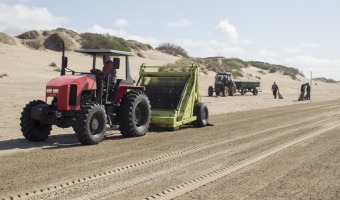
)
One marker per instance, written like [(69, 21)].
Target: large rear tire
[(210, 91), (33, 130), (202, 114), (134, 114), (90, 127)]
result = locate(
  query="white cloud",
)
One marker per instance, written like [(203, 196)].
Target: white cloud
[(198, 43), (180, 23), (292, 50), (265, 53), (124, 34), (229, 29), (320, 67), (308, 45), (233, 52), (310, 61), (24, 1), (16, 19), (102, 30), (248, 42), (147, 40), (121, 22), (207, 48)]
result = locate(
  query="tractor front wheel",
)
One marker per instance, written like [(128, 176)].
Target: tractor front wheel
[(33, 130), (90, 125), (202, 114), (134, 114)]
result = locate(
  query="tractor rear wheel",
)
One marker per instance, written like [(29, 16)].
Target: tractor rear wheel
[(90, 127), (134, 114), (33, 130), (202, 114), (210, 91)]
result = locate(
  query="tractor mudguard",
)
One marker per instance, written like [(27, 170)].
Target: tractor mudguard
[(122, 90)]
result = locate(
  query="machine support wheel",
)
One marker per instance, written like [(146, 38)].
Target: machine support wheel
[(255, 91), (210, 91), (90, 125), (242, 91), (134, 114), (33, 130), (202, 114)]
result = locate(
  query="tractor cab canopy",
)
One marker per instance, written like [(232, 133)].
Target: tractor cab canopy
[(105, 54), (226, 76)]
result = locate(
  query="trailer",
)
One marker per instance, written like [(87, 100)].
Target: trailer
[(247, 86), (174, 95)]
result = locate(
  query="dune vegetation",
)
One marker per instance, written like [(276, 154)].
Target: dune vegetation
[(51, 40)]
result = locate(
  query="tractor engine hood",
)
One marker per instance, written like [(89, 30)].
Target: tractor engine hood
[(67, 89), (87, 80)]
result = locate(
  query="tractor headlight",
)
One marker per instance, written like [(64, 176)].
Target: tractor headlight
[(55, 91), (48, 90)]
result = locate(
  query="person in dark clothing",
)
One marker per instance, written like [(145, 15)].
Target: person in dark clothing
[(307, 97), (302, 90), (275, 88), (225, 80)]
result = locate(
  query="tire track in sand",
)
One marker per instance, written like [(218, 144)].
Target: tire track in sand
[(216, 174), (145, 163), (122, 186)]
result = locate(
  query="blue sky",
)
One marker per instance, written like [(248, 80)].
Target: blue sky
[(302, 33)]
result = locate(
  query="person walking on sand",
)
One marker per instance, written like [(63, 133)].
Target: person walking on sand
[(307, 97), (302, 94), (275, 88)]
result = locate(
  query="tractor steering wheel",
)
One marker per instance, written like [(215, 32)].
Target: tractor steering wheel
[(95, 71)]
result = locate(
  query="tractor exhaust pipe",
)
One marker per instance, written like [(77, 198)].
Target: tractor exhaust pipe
[(63, 60)]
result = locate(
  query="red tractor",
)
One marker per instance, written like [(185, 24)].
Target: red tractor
[(88, 102)]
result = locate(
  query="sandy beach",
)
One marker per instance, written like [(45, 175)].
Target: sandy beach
[(262, 158)]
